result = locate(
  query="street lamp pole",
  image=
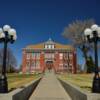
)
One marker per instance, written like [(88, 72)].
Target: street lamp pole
[(4, 84), (6, 35), (96, 56), (96, 81), (93, 35)]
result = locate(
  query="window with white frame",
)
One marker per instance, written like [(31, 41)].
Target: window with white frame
[(28, 56), (52, 55), (49, 46), (53, 46), (33, 55), (38, 55), (46, 46), (46, 55), (37, 64), (70, 64), (65, 56), (49, 55), (27, 65), (33, 64), (60, 55), (70, 55), (61, 66)]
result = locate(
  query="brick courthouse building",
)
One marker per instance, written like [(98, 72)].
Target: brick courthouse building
[(49, 55)]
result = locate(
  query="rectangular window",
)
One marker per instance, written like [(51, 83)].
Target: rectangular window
[(52, 46), (33, 55), (45, 55), (60, 55), (33, 64), (61, 66), (28, 56), (37, 55), (49, 55), (70, 55), (27, 66), (67, 55), (46, 46), (52, 55), (37, 64), (49, 46)]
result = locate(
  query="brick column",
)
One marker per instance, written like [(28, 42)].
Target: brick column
[(30, 63), (74, 63), (56, 62), (23, 61), (42, 62)]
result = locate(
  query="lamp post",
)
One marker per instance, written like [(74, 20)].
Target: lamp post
[(93, 35), (7, 34)]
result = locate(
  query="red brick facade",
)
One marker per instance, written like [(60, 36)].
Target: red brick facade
[(49, 55)]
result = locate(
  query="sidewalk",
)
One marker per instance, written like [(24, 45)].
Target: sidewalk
[(49, 88)]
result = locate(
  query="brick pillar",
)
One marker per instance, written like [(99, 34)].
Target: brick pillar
[(23, 61), (42, 62), (74, 63), (56, 63), (30, 69)]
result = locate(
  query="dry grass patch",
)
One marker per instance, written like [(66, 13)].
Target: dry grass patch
[(18, 80), (84, 81)]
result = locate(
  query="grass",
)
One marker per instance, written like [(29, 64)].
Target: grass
[(84, 81), (18, 80)]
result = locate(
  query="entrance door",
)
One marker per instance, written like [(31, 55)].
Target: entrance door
[(49, 65)]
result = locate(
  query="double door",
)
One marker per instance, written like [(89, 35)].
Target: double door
[(49, 65)]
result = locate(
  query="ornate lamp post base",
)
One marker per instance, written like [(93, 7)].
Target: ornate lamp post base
[(3, 84), (96, 85)]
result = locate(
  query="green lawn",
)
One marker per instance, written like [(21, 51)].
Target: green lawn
[(18, 80), (84, 81)]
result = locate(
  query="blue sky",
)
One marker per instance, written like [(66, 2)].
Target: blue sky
[(37, 20)]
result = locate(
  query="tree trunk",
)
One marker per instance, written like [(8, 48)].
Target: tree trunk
[(83, 49)]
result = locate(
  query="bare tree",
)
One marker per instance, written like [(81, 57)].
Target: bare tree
[(10, 61), (75, 33)]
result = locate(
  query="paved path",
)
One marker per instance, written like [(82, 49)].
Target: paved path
[(49, 88)]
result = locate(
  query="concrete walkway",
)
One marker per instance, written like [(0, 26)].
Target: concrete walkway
[(49, 88)]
